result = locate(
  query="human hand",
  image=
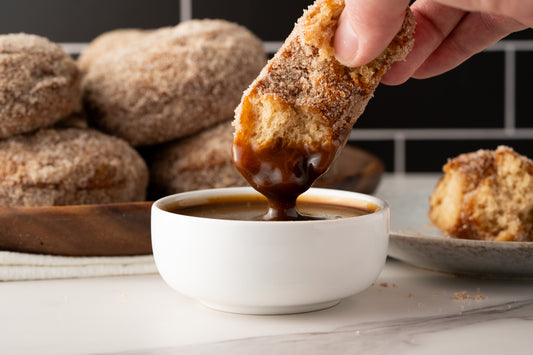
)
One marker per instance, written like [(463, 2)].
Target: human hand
[(447, 33)]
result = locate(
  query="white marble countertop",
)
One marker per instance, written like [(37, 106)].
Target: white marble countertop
[(407, 311)]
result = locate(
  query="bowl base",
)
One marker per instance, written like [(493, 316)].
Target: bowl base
[(271, 310)]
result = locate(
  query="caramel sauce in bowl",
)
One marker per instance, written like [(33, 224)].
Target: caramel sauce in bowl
[(254, 266)]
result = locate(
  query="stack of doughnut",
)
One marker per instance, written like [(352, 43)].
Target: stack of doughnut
[(47, 154), (85, 131)]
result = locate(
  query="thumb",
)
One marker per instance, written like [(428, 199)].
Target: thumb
[(365, 29)]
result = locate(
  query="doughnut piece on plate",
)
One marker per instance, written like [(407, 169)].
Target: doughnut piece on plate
[(173, 82), (69, 167), (39, 83), (485, 195), (298, 113)]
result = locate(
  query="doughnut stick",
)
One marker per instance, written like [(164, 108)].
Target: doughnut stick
[(299, 111)]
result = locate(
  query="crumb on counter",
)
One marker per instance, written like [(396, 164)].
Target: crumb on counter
[(462, 295)]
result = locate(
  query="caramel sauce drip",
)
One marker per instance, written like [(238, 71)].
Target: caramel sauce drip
[(281, 173)]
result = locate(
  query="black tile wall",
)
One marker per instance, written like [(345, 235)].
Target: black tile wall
[(524, 93), (526, 34), (471, 96), (271, 20), (81, 21), (430, 155), (461, 98)]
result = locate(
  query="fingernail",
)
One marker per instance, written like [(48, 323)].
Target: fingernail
[(345, 42)]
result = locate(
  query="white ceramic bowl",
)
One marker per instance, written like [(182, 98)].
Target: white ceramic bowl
[(266, 267)]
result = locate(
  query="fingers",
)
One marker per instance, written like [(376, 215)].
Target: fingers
[(448, 32), (520, 10), (366, 28), (472, 35), (434, 23)]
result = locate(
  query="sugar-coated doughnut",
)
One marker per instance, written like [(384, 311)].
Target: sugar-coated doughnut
[(173, 82), (106, 43), (197, 162), (69, 166), (203, 161)]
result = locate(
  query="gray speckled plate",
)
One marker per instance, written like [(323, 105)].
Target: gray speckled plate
[(460, 256), (415, 241)]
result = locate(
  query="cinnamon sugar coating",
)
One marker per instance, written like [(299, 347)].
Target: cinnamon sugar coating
[(68, 167), (173, 82), (485, 195), (39, 83), (107, 42)]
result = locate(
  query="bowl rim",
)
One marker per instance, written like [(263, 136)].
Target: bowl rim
[(382, 204)]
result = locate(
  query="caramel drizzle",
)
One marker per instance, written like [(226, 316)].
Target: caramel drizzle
[(281, 172)]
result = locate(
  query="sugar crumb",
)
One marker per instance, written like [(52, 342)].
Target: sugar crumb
[(463, 295)]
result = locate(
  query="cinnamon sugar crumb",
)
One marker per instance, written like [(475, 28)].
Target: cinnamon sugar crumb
[(463, 295), (479, 296)]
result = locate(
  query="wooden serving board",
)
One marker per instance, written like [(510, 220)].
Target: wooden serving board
[(87, 230), (123, 229)]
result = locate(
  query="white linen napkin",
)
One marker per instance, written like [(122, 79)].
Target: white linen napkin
[(16, 266)]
